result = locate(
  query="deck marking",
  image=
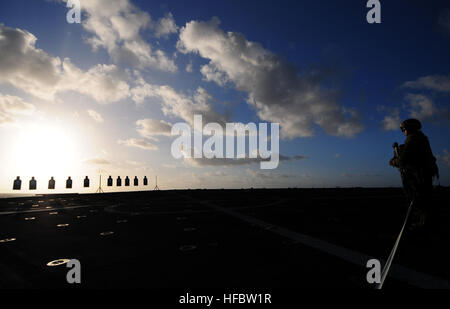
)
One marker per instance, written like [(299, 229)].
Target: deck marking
[(4, 213), (398, 272), (388, 264)]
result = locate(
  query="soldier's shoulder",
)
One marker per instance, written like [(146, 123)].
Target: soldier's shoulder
[(416, 137), (423, 137)]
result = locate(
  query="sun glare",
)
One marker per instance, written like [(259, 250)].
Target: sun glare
[(43, 151)]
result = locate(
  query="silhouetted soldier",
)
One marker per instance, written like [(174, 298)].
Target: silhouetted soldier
[(145, 181), (417, 166), (33, 184), (17, 185), (86, 182), (110, 181), (119, 181), (136, 181), (51, 183), (127, 182), (69, 183)]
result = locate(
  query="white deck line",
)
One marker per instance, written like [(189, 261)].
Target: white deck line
[(398, 272)]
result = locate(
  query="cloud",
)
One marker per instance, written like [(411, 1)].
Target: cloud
[(445, 157), (275, 88), (138, 165), (26, 67), (439, 83), (96, 116), (104, 83), (293, 158), (134, 163), (216, 174), (391, 121), (116, 26), (97, 161), (177, 104), (444, 20), (199, 162), (421, 107), (149, 128), (166, 26), (189, 67), (269, 175), (34, 71), (418, 106), (142, 89), (185, 107), (139, 143), (11, 107), (211, 73)]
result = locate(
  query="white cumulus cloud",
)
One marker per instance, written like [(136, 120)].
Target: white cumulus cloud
[(166, 26), (12, 107), (391, 121), (445, 158), (432, 82), (36, 72), (421, 107), (95, 115), (276, 89), (116, 26), (26, 67), (149, 128), (139, 143), (104, 83), (200, 162), (178, 104)]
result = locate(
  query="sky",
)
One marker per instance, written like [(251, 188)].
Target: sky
[(100, 97)]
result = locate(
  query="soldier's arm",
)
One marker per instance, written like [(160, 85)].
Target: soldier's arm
[(405, 153), (394, 162)]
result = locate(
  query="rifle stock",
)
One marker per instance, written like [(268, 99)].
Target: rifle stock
[(396, 152)]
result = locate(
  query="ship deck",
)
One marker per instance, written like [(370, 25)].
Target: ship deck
[(220, 238)]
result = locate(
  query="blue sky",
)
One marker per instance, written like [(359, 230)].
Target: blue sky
[(347, 86)]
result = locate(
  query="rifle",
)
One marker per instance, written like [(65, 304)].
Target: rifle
[(387, 266), (395, 160), (395, 146)]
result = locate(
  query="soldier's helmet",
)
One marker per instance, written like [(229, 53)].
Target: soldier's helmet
[(411, 125)]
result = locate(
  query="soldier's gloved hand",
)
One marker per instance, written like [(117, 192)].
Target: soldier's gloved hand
[(393, 162)]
